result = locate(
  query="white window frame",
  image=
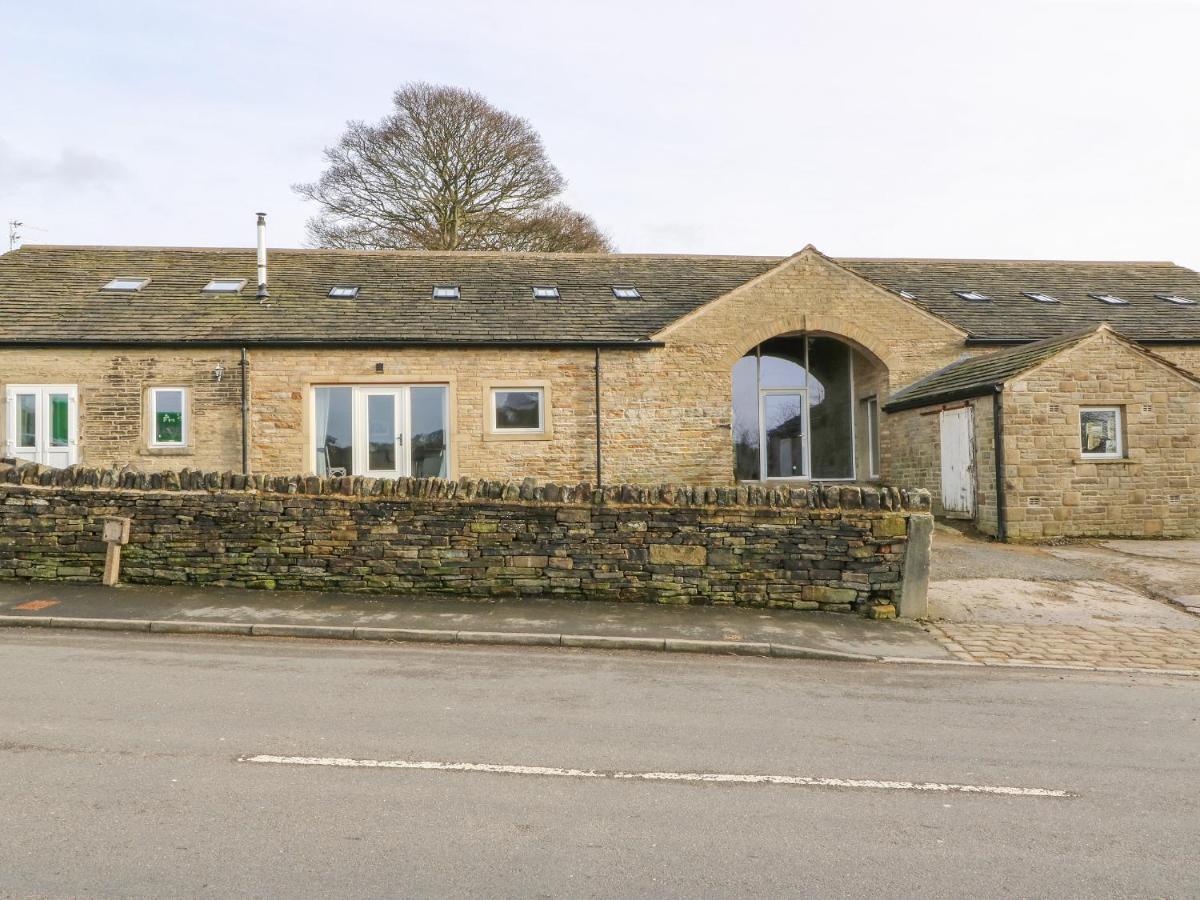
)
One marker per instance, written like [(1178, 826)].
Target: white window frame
[(152, 440), (872, 423), (1119, 453), (495, 428), (763, 394), (359, 392)]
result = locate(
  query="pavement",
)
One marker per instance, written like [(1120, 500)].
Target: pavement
[(1084, 605), (550, 622), (1119, 605), (125, 771)]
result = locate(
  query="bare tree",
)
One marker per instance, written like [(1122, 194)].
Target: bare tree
[(445, 170)]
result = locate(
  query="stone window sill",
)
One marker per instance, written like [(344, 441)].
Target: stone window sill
[(1083, 461), (167, 451)]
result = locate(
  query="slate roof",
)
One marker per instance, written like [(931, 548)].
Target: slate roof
[(52, 294), (976, 376), (1010, 315)]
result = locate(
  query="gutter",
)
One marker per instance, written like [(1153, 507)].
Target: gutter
[(965, 393), (998, 458), (599, 469), (1018, 341), (245, 412), (326, 344)]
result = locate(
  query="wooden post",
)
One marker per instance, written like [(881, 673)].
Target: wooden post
[(116, 535)]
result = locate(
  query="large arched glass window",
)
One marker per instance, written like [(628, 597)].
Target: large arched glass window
[(793, 413)]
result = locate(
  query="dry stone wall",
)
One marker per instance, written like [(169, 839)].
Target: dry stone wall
[(834, 547)]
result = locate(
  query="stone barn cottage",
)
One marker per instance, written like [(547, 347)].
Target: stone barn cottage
[(1036, 398)]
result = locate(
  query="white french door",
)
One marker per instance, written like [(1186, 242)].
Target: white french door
[(42, 423), (379, 432)]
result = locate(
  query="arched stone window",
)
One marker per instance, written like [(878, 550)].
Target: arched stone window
[(793, 410)]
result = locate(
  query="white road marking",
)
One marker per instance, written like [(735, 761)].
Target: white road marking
[(712, 777)]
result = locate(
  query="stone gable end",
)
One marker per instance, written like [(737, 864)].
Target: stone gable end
[(813, 293), (669, 414), (1052, 491)]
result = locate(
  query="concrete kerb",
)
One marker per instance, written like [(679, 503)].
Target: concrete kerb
[(440, 636), (511, 638)]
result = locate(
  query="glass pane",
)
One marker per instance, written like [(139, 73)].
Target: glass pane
[(783, 363), (1098, 431), (59, 420), (831, 418), (381, 432), (428, 432), (518, 409), (26, 420), (334, 430), (783, 421), (745, 419), (168, 417)]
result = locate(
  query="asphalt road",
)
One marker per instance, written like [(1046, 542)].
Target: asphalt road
[(120, 774)]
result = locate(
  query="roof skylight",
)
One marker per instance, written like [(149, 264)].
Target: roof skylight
[(545, 292), (626, 292), (446, 292), (972, 295), (1041, 297), (1176, 299), (225, 286), (344, 291), (907, 295), (126, 284), (1111, 299)]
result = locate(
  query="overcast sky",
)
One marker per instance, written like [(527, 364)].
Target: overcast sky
[(1022, 128)]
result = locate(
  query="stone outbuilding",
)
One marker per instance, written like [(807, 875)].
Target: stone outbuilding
[(1084, 434), (1079, 378)]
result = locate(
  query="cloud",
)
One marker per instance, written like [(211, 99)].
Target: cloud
[(74, 169)]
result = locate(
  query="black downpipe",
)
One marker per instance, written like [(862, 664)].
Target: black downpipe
[(599, 476), (245, 412), (998, 457)]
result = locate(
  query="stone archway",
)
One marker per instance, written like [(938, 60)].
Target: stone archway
[(868, 342)]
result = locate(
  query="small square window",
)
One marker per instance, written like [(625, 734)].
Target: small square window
[(1176, 299), (126, 284), (626, 292), (518, 410), (344, 291), (1100, 432), (972, 295), (1111, 299), (545, 292), (225, 286), (446, 292), (1040, 297), (168, 414)]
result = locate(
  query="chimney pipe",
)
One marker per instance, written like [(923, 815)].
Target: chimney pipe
[(262, 256)]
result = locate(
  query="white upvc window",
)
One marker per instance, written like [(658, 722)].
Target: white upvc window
[(168, 417), (1100, 432), (518, 410)]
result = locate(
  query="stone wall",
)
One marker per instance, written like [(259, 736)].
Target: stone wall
[(113, 387), (833, 548)]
